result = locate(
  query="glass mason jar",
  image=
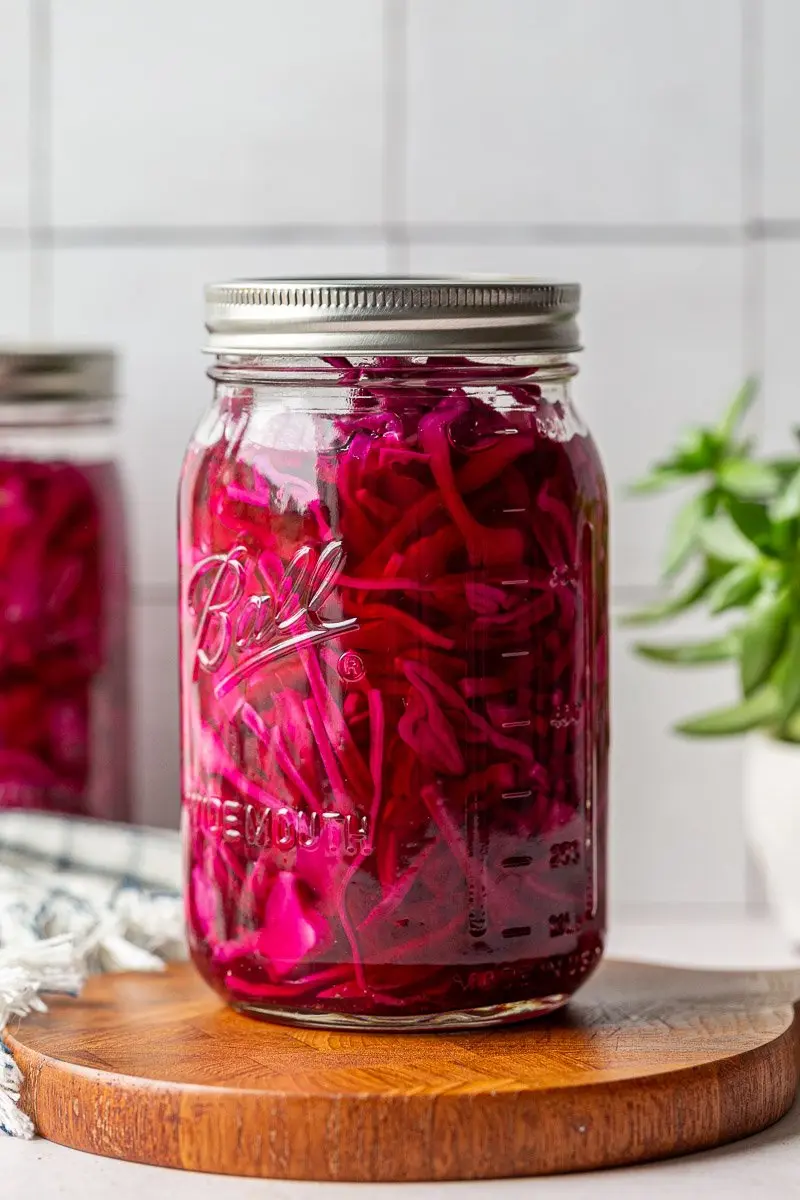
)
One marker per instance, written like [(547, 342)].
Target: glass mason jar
[(63, 587), (393, 555)]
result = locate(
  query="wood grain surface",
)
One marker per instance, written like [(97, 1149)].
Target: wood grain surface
[(647, 1062)]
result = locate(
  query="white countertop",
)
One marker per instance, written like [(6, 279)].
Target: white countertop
[(765, 1165)]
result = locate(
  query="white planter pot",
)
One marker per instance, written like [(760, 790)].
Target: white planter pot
[(772, 824)]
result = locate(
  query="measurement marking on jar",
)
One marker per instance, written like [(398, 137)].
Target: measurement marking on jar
[(517, 931), (590, 774), (565, 854), (564, 715), (514, 510), (565, 575), (515, 725), (515, 654), (516, 861), (478, 919), (516, 795), (563, 924), (514, 582)]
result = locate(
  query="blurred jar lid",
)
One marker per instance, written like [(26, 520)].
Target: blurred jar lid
[(55, 373)]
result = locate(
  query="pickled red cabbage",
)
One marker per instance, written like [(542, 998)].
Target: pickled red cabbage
[(395, 717), (63, 720)]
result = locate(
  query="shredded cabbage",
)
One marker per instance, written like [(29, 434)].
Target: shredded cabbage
[(395, 716), (63, 686)]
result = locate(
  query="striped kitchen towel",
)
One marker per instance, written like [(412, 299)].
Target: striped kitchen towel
[(78, 897)]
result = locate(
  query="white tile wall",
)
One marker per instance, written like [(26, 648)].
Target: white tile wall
[(533, 111), (155, 714), (780, 111), (781, 368), (179, 112), (14, 113), (676, 816), (14, 293), (645, 147)]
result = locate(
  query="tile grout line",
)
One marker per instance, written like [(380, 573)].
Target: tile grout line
[(395, 133), (27, 237), (40, 199), (754, 298), (752, 149), (623, 235), (96, 237), (753, 191)]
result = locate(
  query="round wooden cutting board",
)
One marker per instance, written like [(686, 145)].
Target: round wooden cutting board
[(647, 1062)]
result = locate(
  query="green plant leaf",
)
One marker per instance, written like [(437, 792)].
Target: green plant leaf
[(788, 674), (691, 653), (657, 480), (790, 730), (786, 506), (735, 588), (721, 538), (762, 638), (752, 519), (785, 467), (759, 710), (683, 532), (698, 450), (742, 402), (747, 479), (671, 605)]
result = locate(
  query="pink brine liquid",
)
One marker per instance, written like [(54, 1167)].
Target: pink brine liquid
[(395, 720)]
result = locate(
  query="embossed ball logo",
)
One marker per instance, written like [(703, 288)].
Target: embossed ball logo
[(240, 629)]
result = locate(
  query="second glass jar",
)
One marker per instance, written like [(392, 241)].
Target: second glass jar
[(394, 668), (64, 600)]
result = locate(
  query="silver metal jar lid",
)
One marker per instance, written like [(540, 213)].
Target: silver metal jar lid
[(447, 315), (39, 373)]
